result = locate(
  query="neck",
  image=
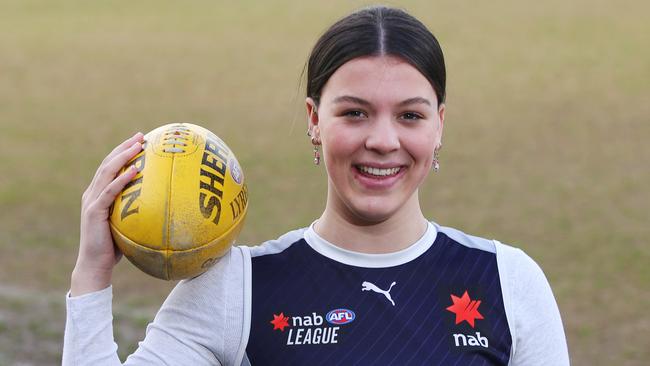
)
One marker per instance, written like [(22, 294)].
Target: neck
[(392, 234)]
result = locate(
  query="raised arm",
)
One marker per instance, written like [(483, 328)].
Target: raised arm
[(200, 323), (97, 253)]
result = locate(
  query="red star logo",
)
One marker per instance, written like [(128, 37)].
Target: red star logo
[(280, 322), (465, 309)]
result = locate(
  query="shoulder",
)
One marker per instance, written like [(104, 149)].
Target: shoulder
[(466, 240), (275, 246), (510, 259), (517, 270)]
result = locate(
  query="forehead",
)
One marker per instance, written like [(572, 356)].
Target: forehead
[(378, 79)]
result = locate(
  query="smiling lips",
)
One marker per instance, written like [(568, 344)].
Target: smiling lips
[(378, 172)]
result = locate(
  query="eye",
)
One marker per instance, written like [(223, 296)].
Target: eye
[(354, 113), (412, 116)]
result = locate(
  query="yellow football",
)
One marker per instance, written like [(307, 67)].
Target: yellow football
[(185, 207)]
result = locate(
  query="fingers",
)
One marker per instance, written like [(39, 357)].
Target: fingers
[(108, 170), (138, 137), (108, 194), (125, 145)]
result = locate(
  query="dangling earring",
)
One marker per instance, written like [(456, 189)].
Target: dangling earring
[(436, 162), (314, 140), (316, 155)]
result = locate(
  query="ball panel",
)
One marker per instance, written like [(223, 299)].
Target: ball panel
[(147, 260), (176, 264), (193, 262), (139, 209), (202, 192), (175, 140)]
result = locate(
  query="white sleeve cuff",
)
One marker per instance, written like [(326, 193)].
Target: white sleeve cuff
[(89, 328)]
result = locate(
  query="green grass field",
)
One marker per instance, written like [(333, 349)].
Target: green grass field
[(546, 142)]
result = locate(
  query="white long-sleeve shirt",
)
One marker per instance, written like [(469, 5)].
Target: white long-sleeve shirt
[(236, 314)]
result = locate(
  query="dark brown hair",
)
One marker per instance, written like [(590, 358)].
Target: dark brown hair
[(376, 31)]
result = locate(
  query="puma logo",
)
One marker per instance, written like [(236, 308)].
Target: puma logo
[(368, 286)]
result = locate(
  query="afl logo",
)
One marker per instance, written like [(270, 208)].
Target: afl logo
[(235, 171), (340, 316)]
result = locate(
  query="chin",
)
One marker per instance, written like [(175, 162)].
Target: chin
[(372, 212)]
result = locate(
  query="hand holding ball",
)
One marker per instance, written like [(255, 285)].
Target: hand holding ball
[(185, 207)]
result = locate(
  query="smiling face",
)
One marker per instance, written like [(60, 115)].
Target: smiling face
[(379, 123)]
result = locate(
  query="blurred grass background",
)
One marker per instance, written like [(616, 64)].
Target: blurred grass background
[(546, 142)]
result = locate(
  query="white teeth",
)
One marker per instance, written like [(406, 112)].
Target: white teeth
[(377, 171)]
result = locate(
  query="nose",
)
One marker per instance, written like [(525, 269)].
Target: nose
[(383, 136)]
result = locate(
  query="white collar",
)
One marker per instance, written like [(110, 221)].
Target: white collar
[(359, 259)]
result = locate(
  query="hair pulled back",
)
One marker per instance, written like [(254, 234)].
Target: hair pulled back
[(376, 31)]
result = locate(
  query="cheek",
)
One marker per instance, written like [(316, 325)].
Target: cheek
[(338, 144), (422, 146)]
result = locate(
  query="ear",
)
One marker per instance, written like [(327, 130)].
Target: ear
[(312, 114), (441, 117)]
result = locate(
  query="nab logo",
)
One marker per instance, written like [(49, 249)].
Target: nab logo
[(340, 316), (306, 330), (470, 340), (466, 310), (280, 322)]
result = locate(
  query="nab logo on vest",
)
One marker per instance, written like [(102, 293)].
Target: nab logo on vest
[(466, 310), (340, 316), (470, 340)]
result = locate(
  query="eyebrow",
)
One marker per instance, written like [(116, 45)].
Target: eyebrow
[(351, 99), (416, 100)]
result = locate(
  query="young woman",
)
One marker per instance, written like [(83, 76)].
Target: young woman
[(371, 281)]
